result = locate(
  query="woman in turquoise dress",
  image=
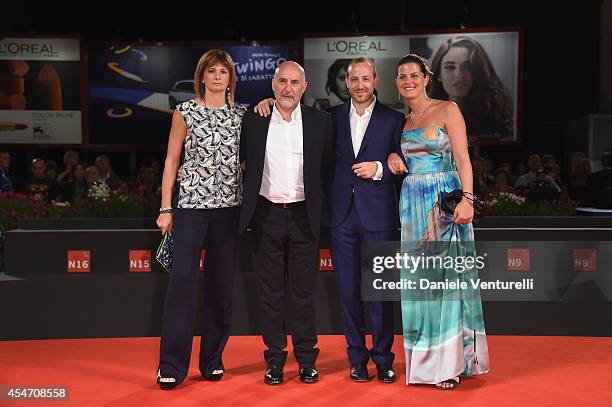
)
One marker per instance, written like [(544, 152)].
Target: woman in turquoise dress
[(444, 335)]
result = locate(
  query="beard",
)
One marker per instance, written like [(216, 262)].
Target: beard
[(363, 97), (287, 103)]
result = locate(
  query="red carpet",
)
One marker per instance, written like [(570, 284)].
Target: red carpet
[(525, 371)]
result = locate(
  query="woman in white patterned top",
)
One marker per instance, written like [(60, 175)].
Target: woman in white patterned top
[(207, 130)]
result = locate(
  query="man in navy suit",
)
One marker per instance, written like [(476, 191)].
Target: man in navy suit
[(362, 206)]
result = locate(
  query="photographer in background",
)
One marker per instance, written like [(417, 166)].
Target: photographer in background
[(542, 188)]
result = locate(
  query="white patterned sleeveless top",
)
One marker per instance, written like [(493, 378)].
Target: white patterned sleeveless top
[(211, 168)]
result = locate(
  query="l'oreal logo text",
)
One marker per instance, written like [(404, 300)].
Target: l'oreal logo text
[(352, 47), (33, 48)]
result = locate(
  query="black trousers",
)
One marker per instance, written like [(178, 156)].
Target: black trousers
[(218, 230), (282, 240)]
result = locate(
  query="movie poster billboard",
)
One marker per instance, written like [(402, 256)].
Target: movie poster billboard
[(134, 89), (40, 91), (477, 70)]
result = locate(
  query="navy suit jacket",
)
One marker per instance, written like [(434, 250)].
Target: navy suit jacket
[(376, 201)]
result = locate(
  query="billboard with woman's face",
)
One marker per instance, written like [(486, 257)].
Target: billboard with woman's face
[(479, 71)]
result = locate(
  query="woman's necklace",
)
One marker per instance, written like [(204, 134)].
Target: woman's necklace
[(413, 120)]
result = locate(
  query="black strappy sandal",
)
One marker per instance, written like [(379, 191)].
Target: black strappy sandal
[(214, 376), (453, 384), (166, 385)]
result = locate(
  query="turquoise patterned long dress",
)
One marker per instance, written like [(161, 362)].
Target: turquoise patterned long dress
[(444, 334)]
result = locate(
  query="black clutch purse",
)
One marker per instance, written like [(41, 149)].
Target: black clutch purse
[(451, 200), (165, 252)]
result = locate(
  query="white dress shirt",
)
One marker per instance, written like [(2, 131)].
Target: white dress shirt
[(283, 172), (359, 125), (525, 179)]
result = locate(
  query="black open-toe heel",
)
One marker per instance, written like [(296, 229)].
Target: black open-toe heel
[(166, 383), (452, 382), (215, 376)]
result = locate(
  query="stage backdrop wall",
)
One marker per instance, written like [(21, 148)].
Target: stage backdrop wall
[(97, 278), (134, 89)]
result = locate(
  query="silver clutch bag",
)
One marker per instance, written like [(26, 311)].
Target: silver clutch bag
[(165, 252)]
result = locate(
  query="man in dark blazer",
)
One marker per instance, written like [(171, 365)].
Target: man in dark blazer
[(284, 156), (362, 206)]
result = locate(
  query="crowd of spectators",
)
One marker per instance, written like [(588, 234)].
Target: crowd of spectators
[(538, 178), (74, 179)]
